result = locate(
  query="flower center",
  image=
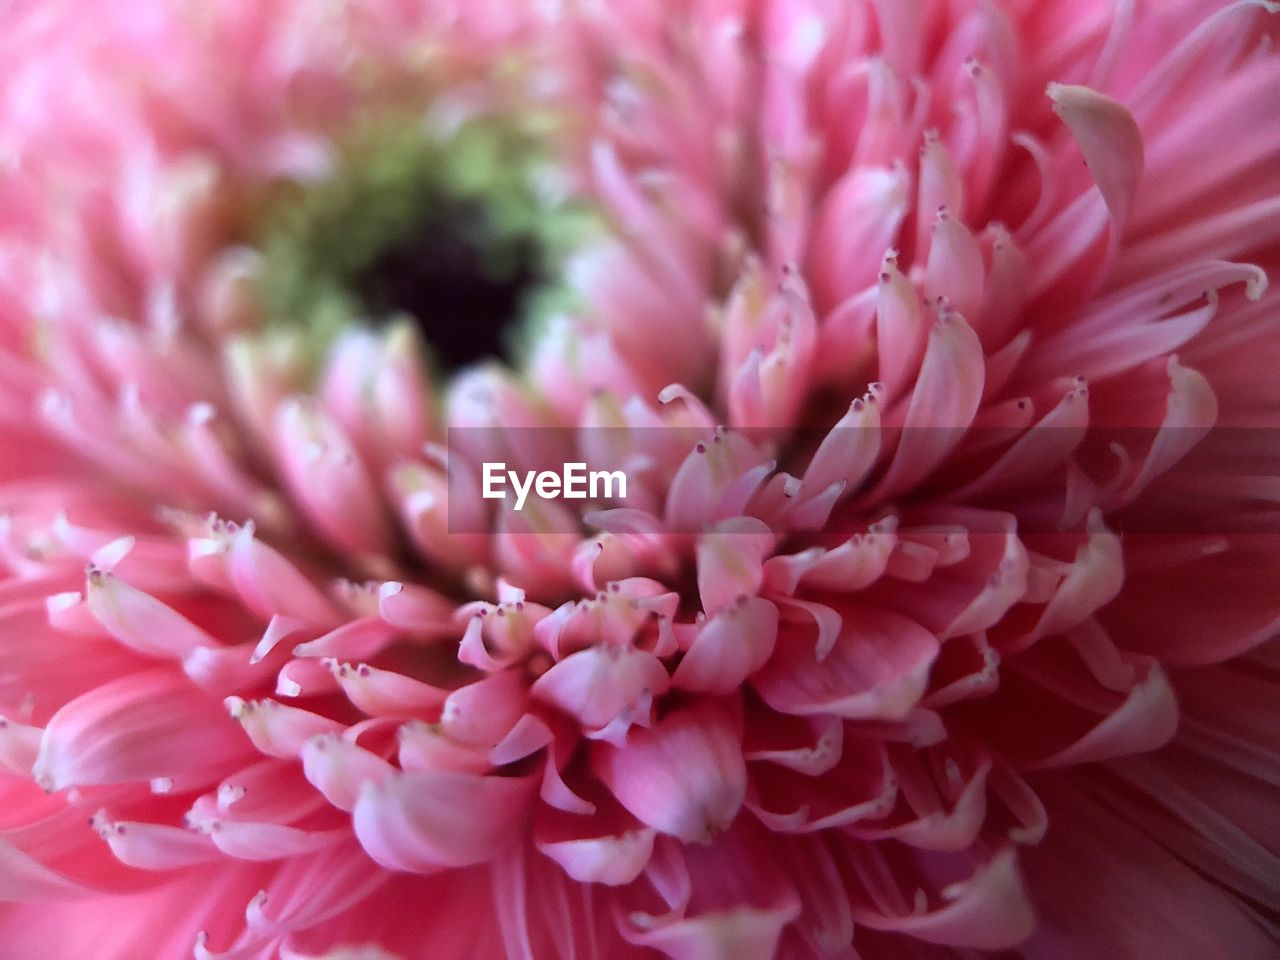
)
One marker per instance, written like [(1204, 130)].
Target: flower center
[(451, 230), (462, 282)]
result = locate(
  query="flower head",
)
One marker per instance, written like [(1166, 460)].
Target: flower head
[(931, 338)]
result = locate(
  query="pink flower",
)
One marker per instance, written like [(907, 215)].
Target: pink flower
[(933, 337)]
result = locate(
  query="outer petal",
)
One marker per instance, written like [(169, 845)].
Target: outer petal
[(139, 727)]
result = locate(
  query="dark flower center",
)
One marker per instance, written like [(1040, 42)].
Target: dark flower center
[(449, 231), (463, 285)]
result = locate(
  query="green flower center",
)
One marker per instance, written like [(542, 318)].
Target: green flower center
[(451, 229)]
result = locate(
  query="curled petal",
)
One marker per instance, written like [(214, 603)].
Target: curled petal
[(23, 877), (944, 400), (808, 745), (731, 646), (601, 683), (384, 692), (859, 220), (267, 841), (729, 899), (608, 848), (1110, 141), (731, 562), (610, 860), (19, 746), (860, 787), (355, 640), (955, 269), (848, 452), (339, 768), (276, 729), (855, 564), (989, 911), (684, 776), (413, 608), (270, 585), (330, 480), (1146, 720)]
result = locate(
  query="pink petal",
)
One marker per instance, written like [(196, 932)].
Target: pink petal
[(1109, 138), (684, 776), (140, 621), (428, 820), (860, 787), (730, 562), (611, 849), (271, 585), (153, 846), (1145, 721), (601, 683), (729, 647), (878, 668), (381, 693), (954, 269), (339, 768), (848, 452), (138, 727), (944, 401), (276, 729), (989, 911)]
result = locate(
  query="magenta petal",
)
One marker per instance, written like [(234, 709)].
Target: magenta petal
[(25, 878)]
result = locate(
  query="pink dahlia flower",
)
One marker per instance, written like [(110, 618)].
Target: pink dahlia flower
[(932, 336)]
